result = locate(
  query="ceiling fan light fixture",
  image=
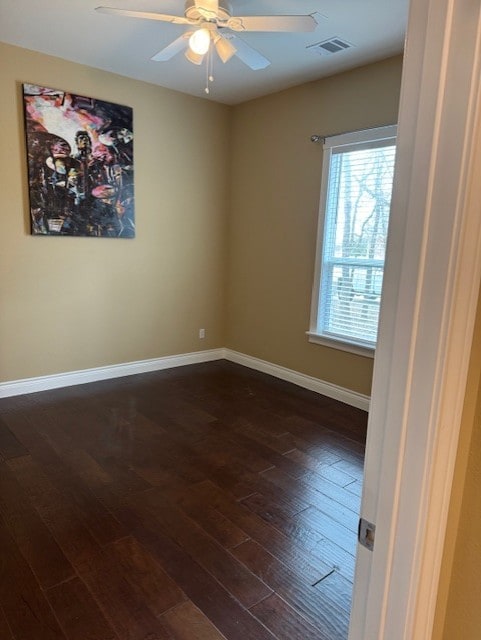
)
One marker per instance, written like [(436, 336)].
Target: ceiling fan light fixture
[(195, 58), (212, 21), (199, 41), (224, 48)]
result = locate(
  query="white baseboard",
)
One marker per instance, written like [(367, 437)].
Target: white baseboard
[(302, 380), (44, 383)]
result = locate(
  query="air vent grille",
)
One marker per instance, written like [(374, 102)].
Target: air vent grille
[(328, 47)]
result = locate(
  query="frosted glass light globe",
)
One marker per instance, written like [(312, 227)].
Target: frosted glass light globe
[(199, 41)]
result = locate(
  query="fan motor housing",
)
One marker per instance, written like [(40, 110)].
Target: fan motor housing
[(192, 12)]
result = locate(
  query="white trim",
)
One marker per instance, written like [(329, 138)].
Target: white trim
[(300, 379), (432, 279), (341, 143), (56, 381), (387, 133), (341, 345), (44, 383)]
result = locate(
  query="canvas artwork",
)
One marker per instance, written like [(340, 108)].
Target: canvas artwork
[(80, 164)]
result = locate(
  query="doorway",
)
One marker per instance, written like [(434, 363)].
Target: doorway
[(429, 307)]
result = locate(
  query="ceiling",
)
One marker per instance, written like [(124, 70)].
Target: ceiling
[(73, 30)]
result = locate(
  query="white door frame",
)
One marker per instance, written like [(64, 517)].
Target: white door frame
[(432, 279)]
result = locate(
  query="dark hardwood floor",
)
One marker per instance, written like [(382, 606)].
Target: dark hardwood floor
[(207, 502)]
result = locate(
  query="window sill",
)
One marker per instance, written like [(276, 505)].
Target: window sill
[(351, 347)]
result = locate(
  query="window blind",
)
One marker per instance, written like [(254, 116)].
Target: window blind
[(356, 220)]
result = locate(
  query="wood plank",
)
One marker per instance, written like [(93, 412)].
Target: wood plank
[(212, 521), (232, 575), (10, 447), (317, 608), (315, 432), (347, 420), (62, 520), (271, 457), (355, 488), (353, 468), (126, 611), (209, 445), (31, 535), (320, 451), (200, 587), (329, 529), (336, 475), (78, 613), (333, 510), (5, 631), (320, 551), (109, 444), (187, 622), (237, 412), (280, 545), (330, 553), (235, 480), (338, 589), (313, 488), (146, 576), (271, 512), (288, 500), (112, 452), (218, 450), (100, 522), (285, 622), (305, 460), (108, 488), (26, 610), (282, 444)]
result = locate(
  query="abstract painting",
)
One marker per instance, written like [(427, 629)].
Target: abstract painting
[(80, 164)]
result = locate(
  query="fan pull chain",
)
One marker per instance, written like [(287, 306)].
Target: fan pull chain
[(209, 69)]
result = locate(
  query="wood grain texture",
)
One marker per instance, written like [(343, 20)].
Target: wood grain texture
[(150, 582), (5, 631), (190, 536), (225, 613), (121, 604), (78, 613), (26, 609), (321, 611), (186, 622), (10, 447), (207, 502), (31, 535), (284, 621)]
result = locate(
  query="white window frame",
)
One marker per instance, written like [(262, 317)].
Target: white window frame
[(353, 140)]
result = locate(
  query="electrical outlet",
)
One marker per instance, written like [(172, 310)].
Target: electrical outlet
[(201, 334)]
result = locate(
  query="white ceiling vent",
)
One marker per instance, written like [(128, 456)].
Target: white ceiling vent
[(328, 47)]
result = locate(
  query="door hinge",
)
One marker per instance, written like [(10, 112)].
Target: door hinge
[(366, 533)]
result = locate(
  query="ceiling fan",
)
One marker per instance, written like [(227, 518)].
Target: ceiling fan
[(212, 22)]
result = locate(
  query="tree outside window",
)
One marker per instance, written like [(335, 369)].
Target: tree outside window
[(358, 177)]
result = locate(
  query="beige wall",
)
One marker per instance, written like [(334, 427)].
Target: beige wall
[(73, 303), (276, 177), (458, 612)]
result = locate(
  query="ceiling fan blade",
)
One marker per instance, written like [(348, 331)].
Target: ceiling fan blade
[(207, 8), (145, 15), (224, 48), (193, 57), (272, 23), (248, 55), (172, 49)]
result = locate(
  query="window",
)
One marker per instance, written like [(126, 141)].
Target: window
[(356, 192)]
